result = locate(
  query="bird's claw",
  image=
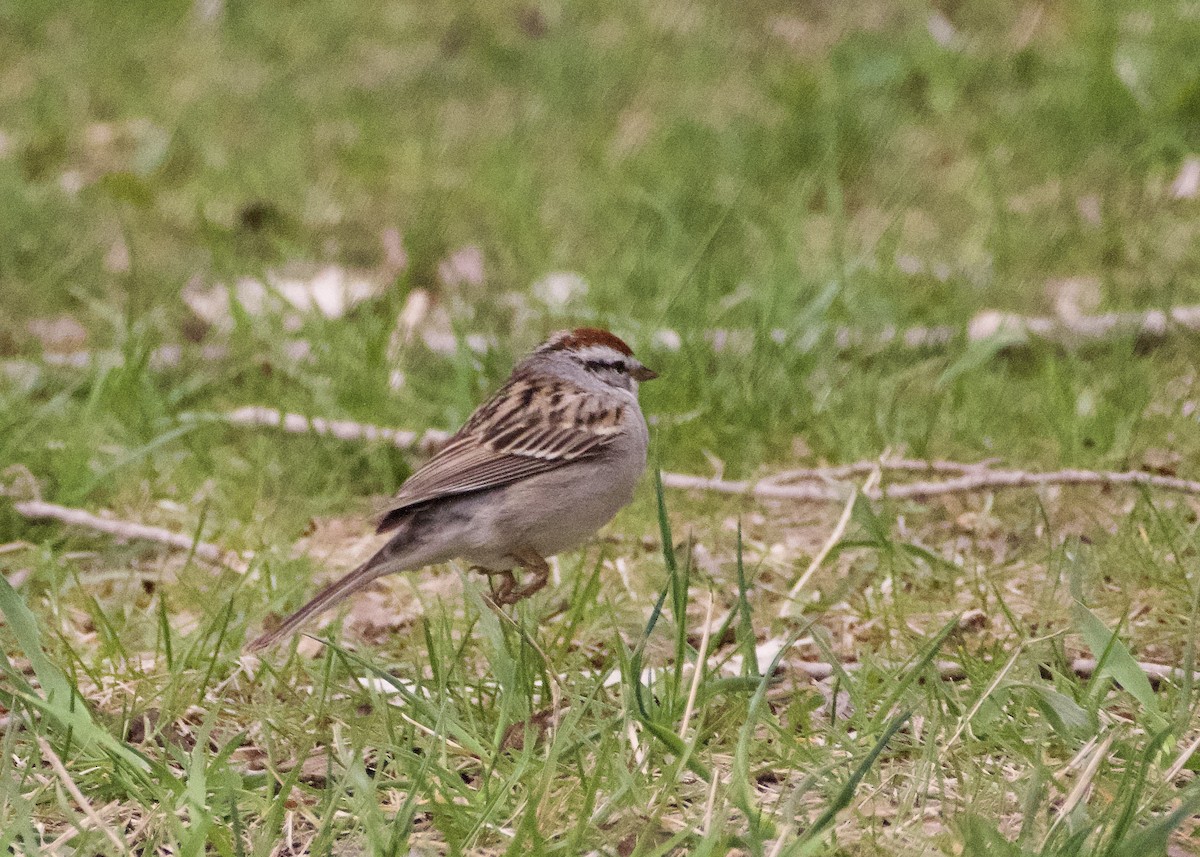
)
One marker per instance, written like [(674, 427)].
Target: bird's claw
[(506, 591)]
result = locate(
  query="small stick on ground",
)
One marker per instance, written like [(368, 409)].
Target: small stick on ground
[(13, 547), (789, 605), (1067, 330), (977, 476), (73, 790), (41, 510), (701, 657), (341, 429), (950, 671), (842, 472), (979, 480)]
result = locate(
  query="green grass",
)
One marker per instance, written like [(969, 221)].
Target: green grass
[(771, 170)]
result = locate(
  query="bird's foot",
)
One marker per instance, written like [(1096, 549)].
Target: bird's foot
[(532, 562), (503, 588), (507, 591)]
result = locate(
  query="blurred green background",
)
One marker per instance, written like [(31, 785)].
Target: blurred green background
[(771, 171), (761, 166), (726, 185), (669, 152)]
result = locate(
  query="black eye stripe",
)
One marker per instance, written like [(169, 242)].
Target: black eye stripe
[(614, 365)]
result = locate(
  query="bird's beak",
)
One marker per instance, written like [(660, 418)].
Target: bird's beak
[(641, 373)]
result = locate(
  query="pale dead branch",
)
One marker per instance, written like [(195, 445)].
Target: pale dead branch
[(701, 656), (41, 510), (1072, 331), (789, 605), (980, 479), (866, 468), (73, 790), (1156, 673), (951, 671), (1069, 330), (339, 429), (971, 477)]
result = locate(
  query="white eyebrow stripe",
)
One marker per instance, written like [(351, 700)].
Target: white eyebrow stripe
[(601, 352)]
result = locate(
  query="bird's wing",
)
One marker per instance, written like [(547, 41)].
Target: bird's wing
[(532, 425)]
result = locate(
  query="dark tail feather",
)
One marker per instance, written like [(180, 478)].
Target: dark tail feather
[(392, 519), (327, 597)]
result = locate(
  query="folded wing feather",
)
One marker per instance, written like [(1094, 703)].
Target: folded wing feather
[(532, 425)]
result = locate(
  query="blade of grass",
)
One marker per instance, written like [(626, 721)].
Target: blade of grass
[(741, 792), (439, 718), (61, 700), (846, 793), (1114, 660), (642, 712), (747, 638), (926, 658)]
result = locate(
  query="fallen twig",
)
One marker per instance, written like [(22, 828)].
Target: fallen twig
[(1156, 673), (983, 479), (789, 604), (1069, 330), (866, 468), (951, 671), (978, 476), (80, 800), (41, 510), (340, 429)]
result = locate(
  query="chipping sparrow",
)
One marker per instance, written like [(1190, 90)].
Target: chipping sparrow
[(537, 469)]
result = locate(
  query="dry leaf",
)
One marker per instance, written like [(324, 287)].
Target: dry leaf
[(117, 259), (416, 308), (58, 334), (331, 292), (942, 31), (1074, 296), (514, 735), (1187, 182), (309, 647), (973, 620), (315, 769), (17, 577), (667, 340), (1089, 209), (463, 267), (1162, 461), (560, 289), (395, 257)]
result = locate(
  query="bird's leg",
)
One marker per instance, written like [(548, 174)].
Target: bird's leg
[(502, 593), (532, 562)]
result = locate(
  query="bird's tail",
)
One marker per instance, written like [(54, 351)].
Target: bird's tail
[(385, 561)]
